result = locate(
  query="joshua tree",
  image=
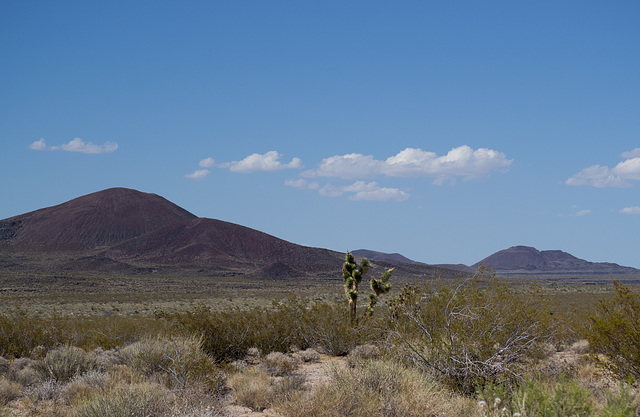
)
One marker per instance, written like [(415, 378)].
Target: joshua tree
[(353, 275)]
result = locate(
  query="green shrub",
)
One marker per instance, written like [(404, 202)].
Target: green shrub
[(227, 335), (536, 398), (137, 400), (620, 404), (472, 334), (326, 326), (63, 363), (22, 333), (561, 399), (615, 332)]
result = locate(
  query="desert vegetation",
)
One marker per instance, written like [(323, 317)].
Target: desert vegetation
[(470, 347)]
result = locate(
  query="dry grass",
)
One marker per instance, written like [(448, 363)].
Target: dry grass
[(279, 364), (376, 388), (9, 390), (63, 363), (176, 362), (308, 355), (138, 400), (253, 388)]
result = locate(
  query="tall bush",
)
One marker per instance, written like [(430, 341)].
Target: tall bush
[(614, 331), (473, 333)]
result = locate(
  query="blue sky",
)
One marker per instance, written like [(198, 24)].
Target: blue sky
[(445, 131)]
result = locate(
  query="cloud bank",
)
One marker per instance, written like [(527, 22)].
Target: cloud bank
[(619, 176), (75, 145), (462, 162)]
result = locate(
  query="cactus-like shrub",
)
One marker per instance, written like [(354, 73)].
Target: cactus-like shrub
[(352, 275)]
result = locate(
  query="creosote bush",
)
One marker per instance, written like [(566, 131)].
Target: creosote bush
[(614, 331), (228, 335), (475, 333), (23, 334), (560, 398)]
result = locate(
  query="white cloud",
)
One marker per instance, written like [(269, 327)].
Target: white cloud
[(330, 190), (302, 183), (207, 163), (597, 176), (628, 169), (75, 145), (603, 176), (373, 192), (257, 162), (359, 190), (39, 145), (198, 174), (631, 154), (579, 213), (462, 161), (350, 166), (630, 210)]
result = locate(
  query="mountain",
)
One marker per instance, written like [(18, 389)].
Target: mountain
[(92, 221), (381, 256), (217, 243), (124, 231), (529, 260)]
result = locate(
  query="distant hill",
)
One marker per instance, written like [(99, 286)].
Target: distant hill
[(125, 231), (529, 260), (404, 265), (381, 256)]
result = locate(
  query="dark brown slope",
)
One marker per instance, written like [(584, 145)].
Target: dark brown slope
[(210, 242), (127, 231), (92, 221), (525, 259)]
